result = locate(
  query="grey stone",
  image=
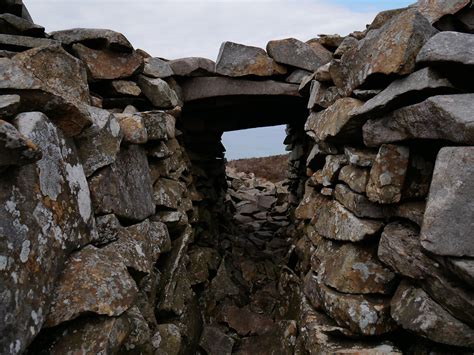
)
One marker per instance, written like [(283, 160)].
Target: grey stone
[(168, 340), (168, 193), (305, 85), (448, 221), (16, 149), (239, 60), (15, 25), (322, 96), (193, 66), (347, 44), (331, 168), (158, 92), (444, 117), (157, 68), (414, 310), (433, 10), (308, 57), (448, 47), (107, 38), (357, 178), (132, 128), (357, 203), (297, 76), (323, 74), (22, 43), (360, 156), (159, 125), (124, 187)]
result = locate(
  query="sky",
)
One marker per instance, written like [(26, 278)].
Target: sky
[(183, 28)]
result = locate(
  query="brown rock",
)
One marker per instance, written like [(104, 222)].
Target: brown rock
[(323, 74), (95, 37), (433, 10), (168, 340), (193, 66), (346, 45), (132, 127), (330, 171), (124, 87), (357, 204), (215, 342), (168, 193), (356, 178), (388, 174), (322, 96), (383, 17), (310, 204), (157, 68), (360, 156), (15, 25), (413, 211), (246, 322)]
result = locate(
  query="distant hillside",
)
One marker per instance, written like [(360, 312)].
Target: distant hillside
[(271, 168)]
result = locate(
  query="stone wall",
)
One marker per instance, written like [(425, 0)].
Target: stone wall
[(117, 232)]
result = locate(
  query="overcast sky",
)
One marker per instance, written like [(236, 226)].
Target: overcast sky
[(182, 28)]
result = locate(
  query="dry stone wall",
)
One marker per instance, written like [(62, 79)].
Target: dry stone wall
[(121, 232)]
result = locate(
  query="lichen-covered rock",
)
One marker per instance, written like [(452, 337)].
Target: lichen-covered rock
[(388, 174), (167, 340), (9, 105), (239, 60), (307, 57), (158, 92), (92, 281), (124, 187), (157, 68), (15, 149), (46, 214), (132, 127), (168, 193), (448, 47), (297, 76), (93, 36), (433, 10), (322, 95), (414, 310), (125, 87), (105, 64), (444, 117), (357, 178), (159, 125), (331, 168), (357, 203), (360, 156), (450, 204), (193, 66), (310, 204), (202, 261)]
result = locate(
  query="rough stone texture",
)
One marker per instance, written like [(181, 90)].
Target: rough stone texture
[(411, 31), (334, 122), (15, 149), (46, 214), (417, 86), (388, 174), (357, 178), (106, 38), (446, 117), (108, 65), (14, 25), (193, 66), (124, 87), (297, 76), (215, 342), (92, 281), (238, 60), (322, 96), (346, 45), (159, 125), (357, 203), (22, 43), (167, 193), (158, 92), (9, 105), (298, 54), (168, 340), (360, 156), (433, 10), (124, 188), (157, 68), (311, 202), (333, 221), (132, 127), (98, 145), (448, 48), (450, 204), (331, 168), (413, 309)]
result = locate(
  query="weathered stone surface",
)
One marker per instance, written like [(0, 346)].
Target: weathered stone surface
[(15, 25), (355, 269), (159, 125), (388, 174), (334, 122), (360, 156), (108, 65), (47, 213), (193, 66), (384, 16), (9, 105), (239, 60), (92, 281), (331, 168), (99, 144), (444, 117), (322, 96), (448, 48), (411, 31), (346, 45), (201, 261), (124, 87), (93, 36), (51, 81), (124, 188), (323, 74), (157, 68), (357, 204), (158, 92), (22, 43), (298, 54), (310, 204), (333, 221), (450, 204), (167, 193), (297, 76), (417, 86), (413, 211), (357, 178), (245, 322), (132, 127), (215, 342), (433, 10), (16, 149), (168, 340), (414, 310), (328, 41)]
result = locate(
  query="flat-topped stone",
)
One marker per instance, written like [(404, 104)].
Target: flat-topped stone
[(107, 38), (193, 66), (14, 25), (20, 43)]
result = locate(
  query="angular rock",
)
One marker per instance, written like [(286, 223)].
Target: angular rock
[(193, 66), (14, 25), (239, 60), (9, 105), (444, 117), (347, 44), (309, 205), (357, 204), (16, 149), (297, 76), (328, 41), (92, 281), (448, 221), (159, 125), (323, 74), (383, 17), (309, 57), (448, 48), (331, 168), (415, 311), (322, 96), (168, 340), (333, 124), (23, 43), (413, 211), (356, 178), (168, 193), (124, 87), (108, 65), (157, 68), (95, 37), (245, 322), (358, 65), (99, 144), (333, 221), (215, 342), (433, 10), (132, 128), (124, 188), (360, 156), (414, 88), (387, 175), (158, 92), (201, 261), (47, 213), (108, 228)]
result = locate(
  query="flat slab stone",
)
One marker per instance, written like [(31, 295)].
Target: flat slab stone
[(193, 66), (445, 117), (448, 47), (449, 217), (21, 43), (239, 60), (356, 177), (157, 68), (357, 203), (15, 25), (158, 91), (108, 38)]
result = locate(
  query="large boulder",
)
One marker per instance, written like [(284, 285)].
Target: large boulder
[(157, 68), (95, 37), (448, 47), (433, 10)]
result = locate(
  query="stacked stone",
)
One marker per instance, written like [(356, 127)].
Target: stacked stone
[(386, 219)]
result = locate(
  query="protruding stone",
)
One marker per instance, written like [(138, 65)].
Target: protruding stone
[(23, 43), (95, 37), (16, 149), (238, 60), (360, 156), (312, 201), (433, 10), (9, 105), (323, 74), (132, 127), (125, 87), (297, 76), (347, 44), (309, 57), (388, 174), (159, 125), (168, 340), (439, 117), (357, 178), (158, 92), (450, 204), (157, 68), (358, 204), (15, 25), (415, 311), (167, 193), (322, 96), (334, 163), (193, 66), (448, 48)]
